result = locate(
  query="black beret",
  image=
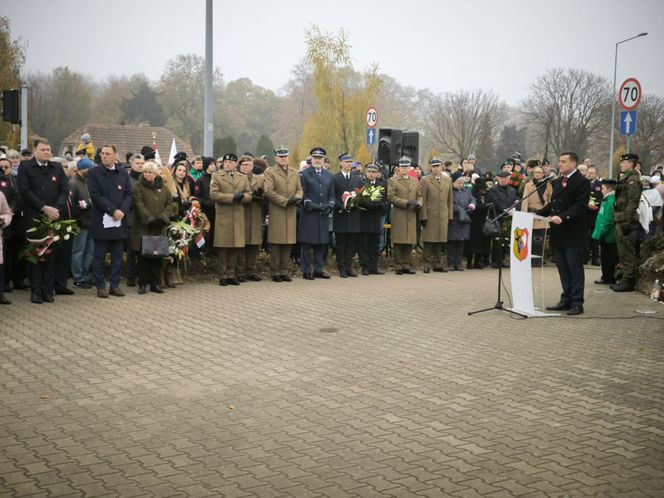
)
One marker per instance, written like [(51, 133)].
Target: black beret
[(229, 157), (629, 157)]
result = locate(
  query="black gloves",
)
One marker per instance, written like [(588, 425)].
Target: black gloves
[(414, 205), (294, 201), (423, 223), (259, 192), (238, 196)]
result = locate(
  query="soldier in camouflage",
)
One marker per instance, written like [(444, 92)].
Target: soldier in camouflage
[(628, 194)]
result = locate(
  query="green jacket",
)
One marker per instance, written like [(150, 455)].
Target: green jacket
[(152, 201), (605, 230), (628, 195)]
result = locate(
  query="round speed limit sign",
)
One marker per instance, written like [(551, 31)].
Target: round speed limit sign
[(629, 95), (372, 117)]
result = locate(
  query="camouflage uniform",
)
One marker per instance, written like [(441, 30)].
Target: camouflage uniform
[(628, 194)]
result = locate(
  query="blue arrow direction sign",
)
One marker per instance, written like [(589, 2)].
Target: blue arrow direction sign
[(628, 122), (371, 136)]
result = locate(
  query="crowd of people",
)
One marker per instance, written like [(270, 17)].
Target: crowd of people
[(149, 217)]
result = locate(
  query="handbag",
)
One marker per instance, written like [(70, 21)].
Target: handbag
[(464, 217), (154, 246), (491, 227)]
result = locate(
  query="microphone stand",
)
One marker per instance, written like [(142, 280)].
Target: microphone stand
[(499, 303)]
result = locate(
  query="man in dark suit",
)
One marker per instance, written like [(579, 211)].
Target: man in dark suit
[(318, 203), (346, 219), (43, 186), (110, 192), (567, 215), (371, 222)]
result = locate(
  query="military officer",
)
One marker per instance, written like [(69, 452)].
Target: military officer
[(628, 195), (436, 213), (283, 191), (317, 203), (229, 189), (372, 220), (346, 220), (253, 223), (404, 194)]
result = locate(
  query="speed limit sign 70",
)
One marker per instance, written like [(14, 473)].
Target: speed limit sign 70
[(372, 117), (629, 95)]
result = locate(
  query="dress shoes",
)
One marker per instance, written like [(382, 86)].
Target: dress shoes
[(82, 285), (36, 298), (575, 310), (4, 300), (343, 274), (156, 289), (64, 292), (255, 278), (625, 285), (440, 270), (601, 281), (321, 274), (48, 298), (351, 273), (241, 279), (478, 266), (408, 271), (307, 276), (458, 268), (365, 271), (141, 289), (276, 278), (376, 272), (233, 281), (286, 278), (115, 291), (103, 293), (224, 282), (398, 272), (426, 270), (559, 307)]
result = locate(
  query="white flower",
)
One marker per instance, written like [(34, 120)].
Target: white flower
[(68, 229), (56, 238), (66, 237)]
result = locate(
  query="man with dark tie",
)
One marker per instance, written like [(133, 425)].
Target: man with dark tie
[(567, 215), (346, 220), (317, 203), (437, 211), (374, 205), (43, 186)]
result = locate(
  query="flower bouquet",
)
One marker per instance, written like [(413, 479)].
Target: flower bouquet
[(44, 234), (373, 193)]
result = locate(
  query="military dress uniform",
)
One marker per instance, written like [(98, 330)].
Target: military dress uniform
[(405, 195), (628, 196), (346, 221), (230, 191), (371, 227), (435, 215), (253, 231)]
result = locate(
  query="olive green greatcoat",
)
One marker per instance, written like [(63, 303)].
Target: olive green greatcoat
[(404, 219), (151, 201), (229, 215), (279, 186), (437, 207), (253, 214)]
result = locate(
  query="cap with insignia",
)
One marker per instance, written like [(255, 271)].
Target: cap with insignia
[(405, 161), (229, 157), (318, 152), (346, 156), (503, 173), (435, 162), (281, 151), (629, 157), (507, 162), (372, 167)]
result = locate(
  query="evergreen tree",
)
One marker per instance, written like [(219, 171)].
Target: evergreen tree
[(264, 147)]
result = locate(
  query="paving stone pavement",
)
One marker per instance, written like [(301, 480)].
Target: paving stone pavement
[(374, 386)]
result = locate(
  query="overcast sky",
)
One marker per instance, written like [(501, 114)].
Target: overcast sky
[(437, 44)]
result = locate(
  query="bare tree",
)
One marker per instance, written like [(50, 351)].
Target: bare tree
[(569, 109), (458, 120), (649, 140)]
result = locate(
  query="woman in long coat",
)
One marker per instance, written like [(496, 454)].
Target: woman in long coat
[(533, 202), (153, 206), (478, 248), (459, 228)]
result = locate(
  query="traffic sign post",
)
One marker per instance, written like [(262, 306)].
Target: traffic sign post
[(371, 136), (628, 123), (629, 95), (371, 119)]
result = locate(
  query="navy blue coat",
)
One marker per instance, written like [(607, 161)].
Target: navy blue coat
[(318, 195), (456, 229), (41, 186), (346, 221), (109, 190)]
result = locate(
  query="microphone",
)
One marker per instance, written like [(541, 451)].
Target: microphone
[(552, 177)]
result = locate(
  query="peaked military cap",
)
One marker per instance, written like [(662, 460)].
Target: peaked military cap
[(281, 151), (318, 152), (346, 156), (503, 173), (405, 161), (435, 162), (372, 167)]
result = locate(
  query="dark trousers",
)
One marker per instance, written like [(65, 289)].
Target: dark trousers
[(455, 253), (402, 256), (569, 261), (63, 264), (609, 260), (368, 251), (115, 247), (149, 271), (432, 255), (2, 279), (14, 267), (279, 258), (538, 247), (227, 258), (345, 250), (318, 260), (246, 261), (131, 260), (42, 277)]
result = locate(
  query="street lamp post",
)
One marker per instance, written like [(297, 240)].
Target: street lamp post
[(613, 99)]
